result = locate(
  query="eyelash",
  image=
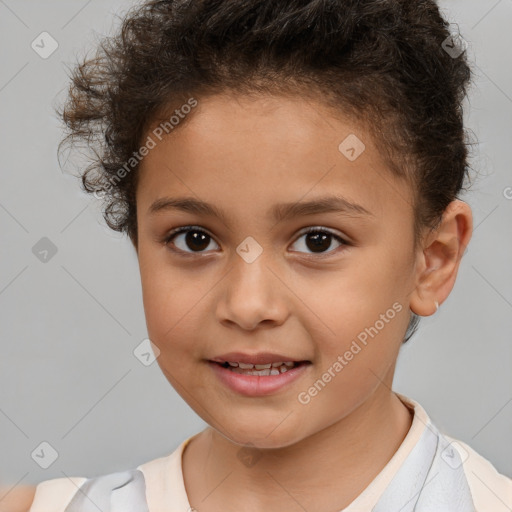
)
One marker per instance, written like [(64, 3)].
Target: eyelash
[(186, 229)]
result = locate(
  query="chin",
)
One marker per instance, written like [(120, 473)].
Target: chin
[(262, 434)]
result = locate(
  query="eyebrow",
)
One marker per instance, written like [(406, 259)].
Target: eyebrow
[(325, 204)]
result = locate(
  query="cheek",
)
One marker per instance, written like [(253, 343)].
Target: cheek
[(346, 302), (178, 309), (364, 314), (353, 364), (170, 306)]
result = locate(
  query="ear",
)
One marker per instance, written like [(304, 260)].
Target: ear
[(438, 259)]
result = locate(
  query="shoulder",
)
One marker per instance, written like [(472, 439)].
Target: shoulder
[(490, 489), (76, 494), (145, 488), (55, 494)]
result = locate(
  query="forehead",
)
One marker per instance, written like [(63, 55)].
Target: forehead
[(257, 151)]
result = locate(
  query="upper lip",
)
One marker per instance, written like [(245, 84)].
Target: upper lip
[(258, 358)]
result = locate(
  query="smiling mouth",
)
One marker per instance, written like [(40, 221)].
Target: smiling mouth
[(262, 370)]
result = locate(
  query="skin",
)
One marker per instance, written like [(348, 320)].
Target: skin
[(245, 155), (16, 499)]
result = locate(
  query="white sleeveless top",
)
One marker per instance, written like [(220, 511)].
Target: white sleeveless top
[(429, 472)]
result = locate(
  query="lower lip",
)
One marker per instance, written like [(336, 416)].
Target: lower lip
[(257, 385)]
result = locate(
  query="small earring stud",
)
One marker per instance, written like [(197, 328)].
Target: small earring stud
[(437, 304)]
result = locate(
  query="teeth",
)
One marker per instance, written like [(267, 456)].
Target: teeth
[(261, 369), (262, 373), (249, 366)]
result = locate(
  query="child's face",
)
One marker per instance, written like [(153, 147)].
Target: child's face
[(244, 157)]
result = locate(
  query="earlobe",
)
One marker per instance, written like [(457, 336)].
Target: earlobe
[(439, 259)]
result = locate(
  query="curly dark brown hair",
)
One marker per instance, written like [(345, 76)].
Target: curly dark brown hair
[(390, 64)]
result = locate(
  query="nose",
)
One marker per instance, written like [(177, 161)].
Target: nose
[(252, 294)]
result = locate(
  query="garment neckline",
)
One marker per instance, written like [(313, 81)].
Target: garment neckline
[(371, 494)]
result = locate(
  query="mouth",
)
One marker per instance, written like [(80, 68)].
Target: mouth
[(262, 370), (261, 378)]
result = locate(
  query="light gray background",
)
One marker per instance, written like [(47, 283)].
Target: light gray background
[(67, 372)]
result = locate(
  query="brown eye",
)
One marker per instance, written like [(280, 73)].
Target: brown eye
[(319, 240), (189, 240)]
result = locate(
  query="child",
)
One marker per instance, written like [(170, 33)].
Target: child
[(234, 140)]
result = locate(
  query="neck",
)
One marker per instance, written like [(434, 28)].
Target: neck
[(325, 471)]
